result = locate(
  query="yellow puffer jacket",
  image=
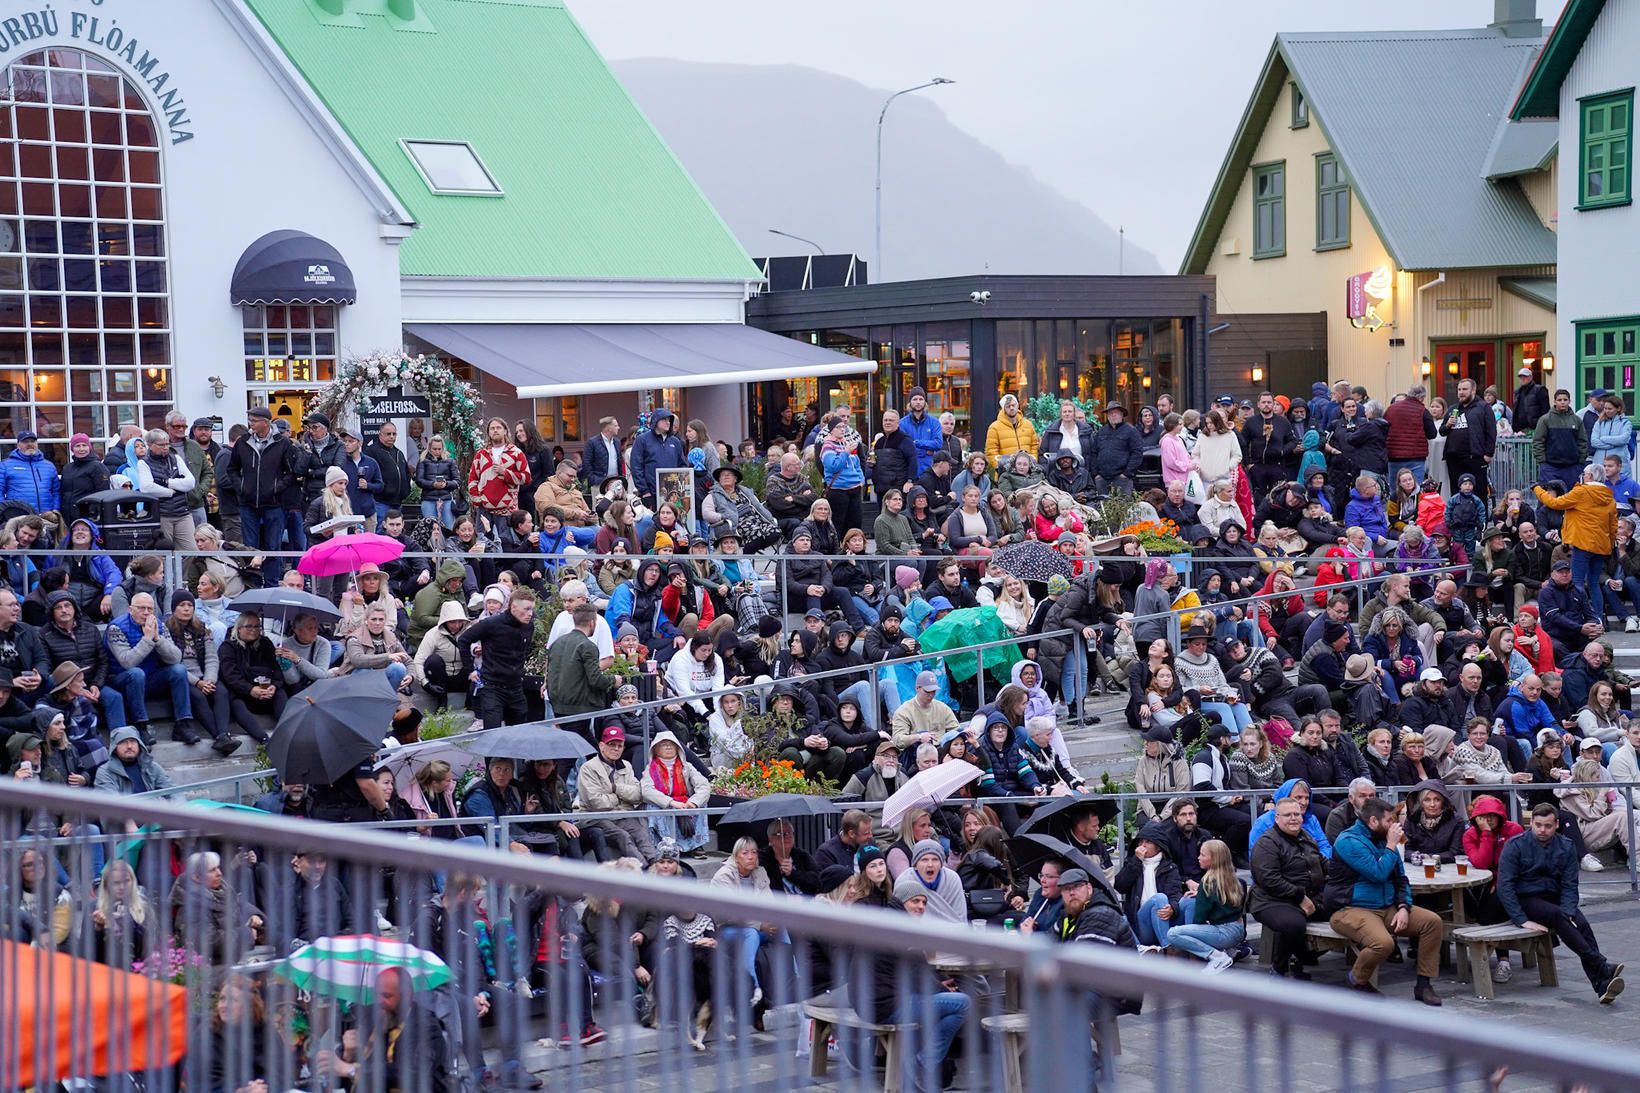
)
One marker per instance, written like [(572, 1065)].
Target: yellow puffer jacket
[(1590, 521), (1005, 437)]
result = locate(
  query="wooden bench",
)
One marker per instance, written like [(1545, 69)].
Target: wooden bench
[(1480, 942), (1320, 936), (1015, 1028), (829, 1017)]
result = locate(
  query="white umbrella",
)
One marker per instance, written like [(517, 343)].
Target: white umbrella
[(407, 760), (927, 787)]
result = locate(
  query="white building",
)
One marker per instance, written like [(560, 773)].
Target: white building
[(209, 203), (1585, 76)]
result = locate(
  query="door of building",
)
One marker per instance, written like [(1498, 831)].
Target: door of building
[(1477, 361)]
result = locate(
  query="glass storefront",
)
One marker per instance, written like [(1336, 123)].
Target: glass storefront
[(84, 286), (1132, 360)]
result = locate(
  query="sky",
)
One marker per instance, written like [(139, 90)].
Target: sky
[(1126, 107)]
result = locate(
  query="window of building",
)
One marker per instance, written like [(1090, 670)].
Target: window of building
[(1332, 204), (1301, 108), (1269, 210), (290, 345), (85, 317), (1608, 353), (946, 372), (1607, 144), (451, 167), (559, 419)]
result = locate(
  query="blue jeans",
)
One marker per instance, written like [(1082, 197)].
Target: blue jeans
[(263, 529), (1236, 715), (750, 940), (1229, 629), (888, 690), (1587, 568), (950, 1012), (1631, 587), (867, 612), (1202, 940), (1416, 466), (1073, 674), (1568, 476), (442, 511), (136, 684), (295, 530), (395, 674), (1148, 927)]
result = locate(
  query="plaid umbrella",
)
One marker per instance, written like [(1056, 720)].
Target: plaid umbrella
[(346, 967)]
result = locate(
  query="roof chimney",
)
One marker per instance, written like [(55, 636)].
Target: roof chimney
[(1516, 19)]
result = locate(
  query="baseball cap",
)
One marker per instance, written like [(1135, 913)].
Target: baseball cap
[(1431, 675), (1225, 400), (1524, 371), (1218, 729), (1560, 565), (28, 434), (1599, 392), (814, 613), (1588, 742), (887, 746), (1161, 734), (611, 734), (927, 681)]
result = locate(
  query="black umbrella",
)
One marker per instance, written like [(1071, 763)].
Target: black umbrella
[(1032, 561), (1056, 817), (285, 604), (527, 742), (1028, 852), (133, 496), (332, 727), (780, 806)]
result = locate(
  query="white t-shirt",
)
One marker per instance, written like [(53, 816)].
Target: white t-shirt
[(601, 637)]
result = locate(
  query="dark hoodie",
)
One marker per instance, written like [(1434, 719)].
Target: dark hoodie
[(652, 452), (1130, 879), (1445, 836), (833, 657), (84, 476), (927, 528)]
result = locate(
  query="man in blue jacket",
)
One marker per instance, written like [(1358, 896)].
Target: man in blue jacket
[(658, 449), (364, 478), (1117, 452), (30, 477), (923, 428), (1370, 902), (1537, 885), (1565, 611)]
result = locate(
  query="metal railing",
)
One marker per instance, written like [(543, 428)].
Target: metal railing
[(506, 975)]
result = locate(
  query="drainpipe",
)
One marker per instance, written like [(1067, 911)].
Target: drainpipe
[(1434, 375)]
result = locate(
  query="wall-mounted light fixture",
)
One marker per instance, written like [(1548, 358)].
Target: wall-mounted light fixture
[(1425, 368), (218, 388), (1145, 383), (1452, 367), (1548, 362), (1258, 374)]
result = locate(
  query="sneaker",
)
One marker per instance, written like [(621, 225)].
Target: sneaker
[(1613, 988), (1591, 864), (226, 745), (1504, 972), (383, 926), (1150, 949), (593, 1034), (1219, 962), (1242, 952), (1631, 624), (757, 996)]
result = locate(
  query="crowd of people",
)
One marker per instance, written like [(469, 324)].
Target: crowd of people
[(1477, 659)]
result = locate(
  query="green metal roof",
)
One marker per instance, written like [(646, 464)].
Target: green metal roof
[(1539, 290), (589, 189), (1540, 95), (1413, 116)]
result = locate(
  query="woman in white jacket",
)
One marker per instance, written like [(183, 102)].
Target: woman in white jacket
[(1221, 507), (729, 742), (696, 670), (1218, 449), (669, 783)]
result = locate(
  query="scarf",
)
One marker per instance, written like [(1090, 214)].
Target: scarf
[(670, 782)]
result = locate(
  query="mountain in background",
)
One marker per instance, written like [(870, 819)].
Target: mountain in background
[(782, 146)]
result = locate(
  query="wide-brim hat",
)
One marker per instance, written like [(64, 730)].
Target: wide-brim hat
[(1116, 406), (64, 674), (729, 468), (1496, 530)]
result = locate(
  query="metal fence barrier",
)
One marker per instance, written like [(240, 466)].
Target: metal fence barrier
[(231, 917)]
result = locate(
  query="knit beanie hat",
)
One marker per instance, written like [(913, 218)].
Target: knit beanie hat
[(904, 576), (627, 630), (925, 847), (1058, 585), (181, 595), (335, 475), (909, 885), (626, 689), (663, 541), (867, 855)]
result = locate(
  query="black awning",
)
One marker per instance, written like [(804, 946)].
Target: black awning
[(292, 267)]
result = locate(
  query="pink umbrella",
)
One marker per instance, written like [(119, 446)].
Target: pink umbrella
[(346, 553)]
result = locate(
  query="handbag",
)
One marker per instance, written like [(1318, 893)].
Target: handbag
[(987, 902)]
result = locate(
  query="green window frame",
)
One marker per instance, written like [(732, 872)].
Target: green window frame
[(1605, 150), (1332, 203), (1300, 108), (1270, 210), (1608, 355)]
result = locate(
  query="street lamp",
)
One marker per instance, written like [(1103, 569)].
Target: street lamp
[(935, 82), (799, 238)]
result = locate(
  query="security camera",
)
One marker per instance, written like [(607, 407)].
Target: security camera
[(981, 297)]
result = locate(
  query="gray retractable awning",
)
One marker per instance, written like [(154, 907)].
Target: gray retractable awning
[(547, 360)]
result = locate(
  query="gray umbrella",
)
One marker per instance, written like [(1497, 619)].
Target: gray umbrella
[(284, 604), (332, 727), (780, 806), (532, 741)]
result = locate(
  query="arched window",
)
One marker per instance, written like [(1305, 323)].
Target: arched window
[(85, 317)]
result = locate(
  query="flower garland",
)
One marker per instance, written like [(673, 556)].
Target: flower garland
[(453, 403)]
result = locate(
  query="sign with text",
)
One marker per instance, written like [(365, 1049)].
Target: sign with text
[(391, 405)]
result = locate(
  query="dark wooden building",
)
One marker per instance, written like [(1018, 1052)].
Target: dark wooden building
[(970, 340)]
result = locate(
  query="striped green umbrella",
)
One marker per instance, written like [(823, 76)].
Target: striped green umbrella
[(346, 967)]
